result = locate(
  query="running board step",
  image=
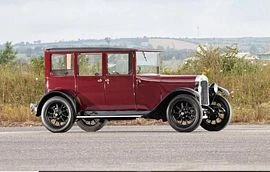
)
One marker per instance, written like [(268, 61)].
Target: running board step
[(113, 114)]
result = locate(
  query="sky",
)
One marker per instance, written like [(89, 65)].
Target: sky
[(61, 20)]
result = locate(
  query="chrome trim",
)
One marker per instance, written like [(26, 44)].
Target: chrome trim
[(110, 116), (201, 78), (204, 92)]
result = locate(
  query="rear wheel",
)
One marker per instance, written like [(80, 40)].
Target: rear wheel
[(184, 113), (57, 114), (91, 125), (221, 116)]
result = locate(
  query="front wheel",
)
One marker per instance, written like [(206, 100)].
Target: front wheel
[(91, 125), (57, 114), (184, 113), (220, 117)]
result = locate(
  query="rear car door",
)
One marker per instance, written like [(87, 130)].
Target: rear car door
[(119, 81), (89, 81), (61, 75)]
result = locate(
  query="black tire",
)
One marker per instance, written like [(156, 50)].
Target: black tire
[(184, 113), (91, 125), (222, 116), (57, 114)]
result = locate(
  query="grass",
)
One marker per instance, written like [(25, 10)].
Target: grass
[(248, 83), (20, 86)]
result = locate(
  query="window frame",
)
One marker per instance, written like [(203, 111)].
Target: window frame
[(53, 72), (78, 65), (130, 64)]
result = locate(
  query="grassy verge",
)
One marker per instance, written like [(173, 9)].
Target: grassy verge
[(20, 85), (248, 82)]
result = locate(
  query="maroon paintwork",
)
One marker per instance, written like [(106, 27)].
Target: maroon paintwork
[(120, 92)]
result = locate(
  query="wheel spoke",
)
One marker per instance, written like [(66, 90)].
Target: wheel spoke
[(213, 122), (178, 108), (182, 105), (218, 120), (189, 113)]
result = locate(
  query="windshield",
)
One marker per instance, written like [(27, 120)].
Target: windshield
[(147, 62)]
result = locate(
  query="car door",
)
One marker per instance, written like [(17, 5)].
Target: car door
[(61, 73), (119, 82), (89, 81)]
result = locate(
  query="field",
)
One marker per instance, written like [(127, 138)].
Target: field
[(247, 81)]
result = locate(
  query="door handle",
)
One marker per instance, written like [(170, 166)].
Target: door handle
[(99, 80), (138, 81), (107, 81)]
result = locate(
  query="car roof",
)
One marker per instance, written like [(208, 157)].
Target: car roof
[(99, 49)]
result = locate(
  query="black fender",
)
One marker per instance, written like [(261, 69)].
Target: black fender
[(224, 91), (214, 89), (62, 93), (159, 112)]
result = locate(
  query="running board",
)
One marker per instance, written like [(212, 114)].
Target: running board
[(113, 114)]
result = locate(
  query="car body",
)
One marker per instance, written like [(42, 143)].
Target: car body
[(95, 84)]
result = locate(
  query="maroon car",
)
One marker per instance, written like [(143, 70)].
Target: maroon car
[(93, 85)]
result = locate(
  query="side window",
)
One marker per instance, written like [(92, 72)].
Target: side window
[(90, 64), (62, 64), (119, 64)]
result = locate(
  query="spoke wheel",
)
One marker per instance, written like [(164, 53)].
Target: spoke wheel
[(184, 113), (221, 116), (57, 114), (91, 125)]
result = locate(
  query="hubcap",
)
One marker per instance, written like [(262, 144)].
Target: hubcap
[(183, 113)]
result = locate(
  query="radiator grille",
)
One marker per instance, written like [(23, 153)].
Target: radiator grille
[(204, 93)]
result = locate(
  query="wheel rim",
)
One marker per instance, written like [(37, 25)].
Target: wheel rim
[(218, 115), (57, 114), (183, 113), (91, 122)]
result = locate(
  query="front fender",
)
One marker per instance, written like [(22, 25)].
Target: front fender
[(214, 89), (223, 91), (159, 111)]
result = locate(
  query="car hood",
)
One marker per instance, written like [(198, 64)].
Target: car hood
[(177, 80), (168, 78)]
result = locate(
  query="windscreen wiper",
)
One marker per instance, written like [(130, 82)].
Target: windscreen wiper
[(144, 56)]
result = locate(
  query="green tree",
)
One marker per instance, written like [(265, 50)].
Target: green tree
[(7, 54), (37, 65)]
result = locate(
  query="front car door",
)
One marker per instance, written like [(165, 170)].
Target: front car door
[(148, 90)]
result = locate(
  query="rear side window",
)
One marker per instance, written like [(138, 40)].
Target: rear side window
[(62, 64)]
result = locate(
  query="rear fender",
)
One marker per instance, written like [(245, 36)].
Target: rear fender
[(62, 93)]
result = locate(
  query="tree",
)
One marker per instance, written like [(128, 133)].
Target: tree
[(7, 54), (108, 40)]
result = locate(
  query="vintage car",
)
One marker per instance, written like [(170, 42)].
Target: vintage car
[(93, 85)]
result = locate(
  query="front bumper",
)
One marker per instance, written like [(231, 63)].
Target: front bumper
[(33, 107)]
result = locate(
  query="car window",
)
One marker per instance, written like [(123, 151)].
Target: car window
[(90, 64), (119, 64), (62, 64), (147, 62)]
